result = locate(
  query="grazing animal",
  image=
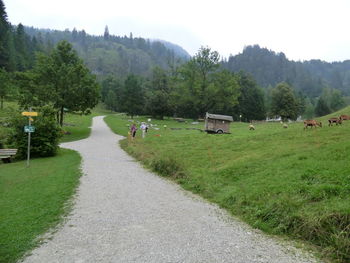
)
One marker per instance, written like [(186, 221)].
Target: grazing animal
[(285, 125), (334, 120), (251, 127), (344, 117), (312, 123)]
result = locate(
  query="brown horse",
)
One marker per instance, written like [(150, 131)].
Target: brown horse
[(334, 120), (344, 117), (312, 123)]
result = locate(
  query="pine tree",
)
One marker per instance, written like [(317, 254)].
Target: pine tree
[(106, 34), (4, 37)]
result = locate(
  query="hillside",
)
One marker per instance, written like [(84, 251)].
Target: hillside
[(310, 77), (116, 55)]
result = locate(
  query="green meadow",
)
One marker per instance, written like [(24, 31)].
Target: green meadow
[(290, 182), (34, 200)]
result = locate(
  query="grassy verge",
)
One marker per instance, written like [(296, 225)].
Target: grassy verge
[(289, 182), (33, 199)]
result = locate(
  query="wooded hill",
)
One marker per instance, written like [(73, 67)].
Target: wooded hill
[(114, 55), (311, 77)]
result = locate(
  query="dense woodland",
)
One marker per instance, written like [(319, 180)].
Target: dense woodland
[(141, 76)]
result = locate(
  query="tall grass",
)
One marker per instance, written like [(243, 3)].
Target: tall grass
[(284, 181)]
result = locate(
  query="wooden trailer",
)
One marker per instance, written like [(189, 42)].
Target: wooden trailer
[(215, 123)]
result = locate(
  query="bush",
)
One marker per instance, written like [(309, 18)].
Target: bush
[(45, 139)]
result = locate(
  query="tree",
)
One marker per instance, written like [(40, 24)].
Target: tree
[(66, 81), (322, 108), (133, 96), (158, 97), (251, 99), (106, 33), (4, 37), (283, 102), (224, 91), (4, 86)]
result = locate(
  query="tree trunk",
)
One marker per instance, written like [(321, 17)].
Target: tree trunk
[(61, 117)]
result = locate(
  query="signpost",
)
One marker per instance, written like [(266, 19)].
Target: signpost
[(29, 129)]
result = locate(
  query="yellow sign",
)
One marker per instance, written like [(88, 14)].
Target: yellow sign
[(30, 113)]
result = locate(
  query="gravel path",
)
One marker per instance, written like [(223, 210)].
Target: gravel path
[(124, 213)]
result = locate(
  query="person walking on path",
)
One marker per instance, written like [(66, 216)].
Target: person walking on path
[(133, 130), (143, 128)]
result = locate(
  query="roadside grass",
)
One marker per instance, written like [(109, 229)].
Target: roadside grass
[(33, 200), (291, 182)]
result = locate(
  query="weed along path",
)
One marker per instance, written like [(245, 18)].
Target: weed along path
[(124, 213)]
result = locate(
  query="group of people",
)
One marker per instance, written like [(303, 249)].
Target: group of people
[(143, 128)]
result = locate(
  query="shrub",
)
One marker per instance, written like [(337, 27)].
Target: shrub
[(167, 166), (44, 141)]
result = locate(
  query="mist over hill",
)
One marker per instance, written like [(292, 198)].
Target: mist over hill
[(311, 77), (114, 55), (121, 55)]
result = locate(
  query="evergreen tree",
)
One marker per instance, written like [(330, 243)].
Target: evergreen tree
[(133, 96), (251, 99), (106, 33), (4, 37), (322, 108), (283, 102), (158, 98)]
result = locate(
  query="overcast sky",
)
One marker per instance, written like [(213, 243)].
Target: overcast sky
[(302, 29)]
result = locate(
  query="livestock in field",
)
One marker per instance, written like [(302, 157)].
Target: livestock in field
[(344, 117), (312, 123), (334, 120), (251, 127)]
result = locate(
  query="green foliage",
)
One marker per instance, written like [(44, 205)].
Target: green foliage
[(133, 96), (33, 199), (4, 86), (44, 141), (158, 97), (62, 80), (283, 102), (251, 100), (322, 107)]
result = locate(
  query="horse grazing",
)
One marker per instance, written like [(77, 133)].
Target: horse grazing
[(344, 117), (334, 120), (312, 123)]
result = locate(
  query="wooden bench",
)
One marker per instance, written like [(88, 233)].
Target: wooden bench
[(6, 154)]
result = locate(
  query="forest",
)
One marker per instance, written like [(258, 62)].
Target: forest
[(159, 78)]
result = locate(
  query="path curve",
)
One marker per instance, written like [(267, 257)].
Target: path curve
[(124, 213)]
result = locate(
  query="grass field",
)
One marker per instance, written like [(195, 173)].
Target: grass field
[(288, 182), (32, 200)]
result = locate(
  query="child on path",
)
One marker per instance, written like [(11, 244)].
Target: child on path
[(133, 130)]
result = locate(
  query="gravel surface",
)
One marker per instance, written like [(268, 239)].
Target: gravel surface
[(124, 213)]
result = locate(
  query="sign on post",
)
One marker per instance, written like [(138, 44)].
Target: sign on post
[(30, 113), (28, 128)]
